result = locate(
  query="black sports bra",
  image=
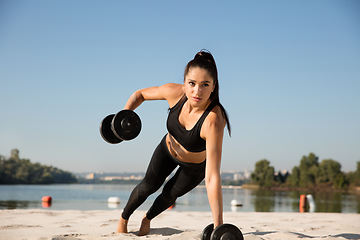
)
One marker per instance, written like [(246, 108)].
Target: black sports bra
[(189, 139)]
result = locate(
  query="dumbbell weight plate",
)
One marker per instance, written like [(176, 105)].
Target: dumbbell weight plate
[(106, 132), (206, 233), (226, 232), (126, 125)]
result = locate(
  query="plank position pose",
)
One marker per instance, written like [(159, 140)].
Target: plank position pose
[(196, 123)]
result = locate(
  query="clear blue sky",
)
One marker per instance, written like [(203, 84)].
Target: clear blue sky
[(289, 77)]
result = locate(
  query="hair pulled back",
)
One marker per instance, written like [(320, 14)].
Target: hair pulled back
[(205, 60)]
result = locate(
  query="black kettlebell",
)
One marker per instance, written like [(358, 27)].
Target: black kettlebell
[(222, 232), (125, 125)]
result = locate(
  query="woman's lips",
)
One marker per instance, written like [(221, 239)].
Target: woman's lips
[(196, 99)]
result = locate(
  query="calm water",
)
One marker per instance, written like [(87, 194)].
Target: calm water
[(94, 197)]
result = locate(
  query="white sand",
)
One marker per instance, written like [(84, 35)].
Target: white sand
[(42, 224)]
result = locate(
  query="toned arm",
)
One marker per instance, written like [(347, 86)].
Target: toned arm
[(213, 132), (170, 92)]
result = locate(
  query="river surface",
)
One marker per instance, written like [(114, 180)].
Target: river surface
[(95, 196)]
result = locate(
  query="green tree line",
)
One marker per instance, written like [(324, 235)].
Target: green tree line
[(309, 174), (21, 171)]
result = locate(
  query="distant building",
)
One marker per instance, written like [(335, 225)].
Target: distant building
[(90, 176), (247, 174), (236, 175)]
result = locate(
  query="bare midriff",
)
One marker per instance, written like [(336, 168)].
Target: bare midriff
[(179, 152)]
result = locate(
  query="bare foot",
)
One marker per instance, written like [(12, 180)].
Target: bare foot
[(145, 226), (122, 226)]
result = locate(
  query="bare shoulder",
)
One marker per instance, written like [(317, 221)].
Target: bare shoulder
[(214, 122), (216, 116), (172, 92)]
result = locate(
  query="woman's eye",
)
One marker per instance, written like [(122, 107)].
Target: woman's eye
[(191, 83), (205, 85)]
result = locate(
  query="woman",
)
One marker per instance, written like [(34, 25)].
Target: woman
[(196, 125)]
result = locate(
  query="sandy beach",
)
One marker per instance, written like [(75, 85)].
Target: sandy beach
[(44, 224)]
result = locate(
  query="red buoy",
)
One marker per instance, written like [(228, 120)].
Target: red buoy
[(46, 199), (302, 204)]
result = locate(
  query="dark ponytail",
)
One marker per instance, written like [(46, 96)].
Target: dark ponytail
[(205, 60)]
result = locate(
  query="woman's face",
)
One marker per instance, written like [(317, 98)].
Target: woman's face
[(198, 86)]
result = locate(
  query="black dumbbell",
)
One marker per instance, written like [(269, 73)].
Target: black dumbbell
[(125, 125), (222, 232)]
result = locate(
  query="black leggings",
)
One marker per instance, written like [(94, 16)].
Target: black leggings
[(162, 163)]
